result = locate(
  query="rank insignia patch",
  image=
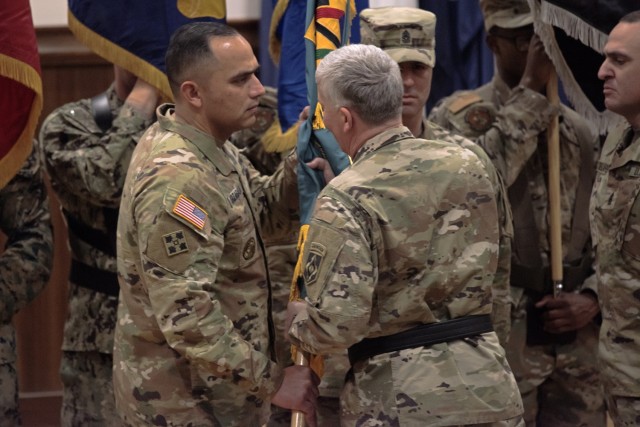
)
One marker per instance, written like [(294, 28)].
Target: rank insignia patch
[(189, 211), (175, 243), (312, 268), (249, 249), (479, 119)]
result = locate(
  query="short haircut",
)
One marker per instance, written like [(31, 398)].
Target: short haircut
[(365, 78), (189, 48), (631, 17)]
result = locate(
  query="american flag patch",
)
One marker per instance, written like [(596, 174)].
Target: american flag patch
[(191, 212)]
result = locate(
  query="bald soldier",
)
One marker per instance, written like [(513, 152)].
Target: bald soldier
[(399, 263), (553, 341)]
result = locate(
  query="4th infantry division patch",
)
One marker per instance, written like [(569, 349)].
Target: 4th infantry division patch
[(175, 243)]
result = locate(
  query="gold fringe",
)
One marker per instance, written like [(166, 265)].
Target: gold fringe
[(25, 74), (274, 44), (275, 141), (119, 56)]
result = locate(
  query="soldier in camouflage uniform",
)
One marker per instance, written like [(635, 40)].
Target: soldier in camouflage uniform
[(401, 253), (557, 373), (195, 341), (25, 265), (615, 213), (407, 35), (86, 146)]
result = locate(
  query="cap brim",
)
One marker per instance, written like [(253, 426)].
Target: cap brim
[(405, 55)]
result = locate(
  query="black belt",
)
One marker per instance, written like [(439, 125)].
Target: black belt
[(94, 278), (421, 336)]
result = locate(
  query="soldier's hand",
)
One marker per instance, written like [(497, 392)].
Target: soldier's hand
[(539, 66), (299, 392), (144, 98), (323, 165), (293, 308), (568, 312)]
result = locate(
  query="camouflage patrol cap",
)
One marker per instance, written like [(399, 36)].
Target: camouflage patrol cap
[(506, 13), (404, 33)]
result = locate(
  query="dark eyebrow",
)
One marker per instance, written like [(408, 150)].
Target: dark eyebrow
[(243, 74)]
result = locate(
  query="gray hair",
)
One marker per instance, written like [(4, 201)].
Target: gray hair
[(364, 78)]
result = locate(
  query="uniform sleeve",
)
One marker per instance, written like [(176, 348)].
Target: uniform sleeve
[(511, 137), (181, 262), (25, 264), (90, 164), (340, 274)]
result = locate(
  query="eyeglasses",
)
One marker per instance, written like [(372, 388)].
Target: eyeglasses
[(521, 41)]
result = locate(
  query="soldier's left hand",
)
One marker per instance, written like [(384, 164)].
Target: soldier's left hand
[(568, 312)]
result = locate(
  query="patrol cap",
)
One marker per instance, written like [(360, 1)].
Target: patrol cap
[(506, 13), (404, 33)]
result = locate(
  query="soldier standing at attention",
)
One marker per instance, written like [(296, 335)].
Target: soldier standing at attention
[(557, 372), (86, 147), (615, 216), (25, 265), (407, 35), (194, 342), (399, 263)]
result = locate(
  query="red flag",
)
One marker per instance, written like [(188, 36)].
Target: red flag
[(20, 86)]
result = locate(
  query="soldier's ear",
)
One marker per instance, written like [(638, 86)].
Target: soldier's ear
[(191, 93), (346, 118)]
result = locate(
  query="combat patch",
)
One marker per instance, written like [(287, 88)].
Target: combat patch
[(249, 249), (479, 119), (311, 272), (190, 212), (175, 243)]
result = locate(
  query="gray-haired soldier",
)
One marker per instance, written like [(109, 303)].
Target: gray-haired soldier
[(25, 265), (399, 263), (508, 117)]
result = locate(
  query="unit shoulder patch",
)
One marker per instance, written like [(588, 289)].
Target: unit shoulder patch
[(479, 118)]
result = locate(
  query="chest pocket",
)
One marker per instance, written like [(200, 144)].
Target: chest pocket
[(240, 235), (616, 201)]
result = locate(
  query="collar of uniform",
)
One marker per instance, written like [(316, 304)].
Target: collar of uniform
[(112, 97), (627, 147), (502, 90), (383, 138), (208, 145)]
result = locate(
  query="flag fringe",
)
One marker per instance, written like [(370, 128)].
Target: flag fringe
[(276, 141), (573, 26), (119, 56), (600, 122), (25, 74)]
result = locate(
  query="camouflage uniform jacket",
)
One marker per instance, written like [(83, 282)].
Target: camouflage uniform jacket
[(501, 312), (407, 235), (615, 225), (511, 125), (87, 168), (25, 263), (194, 339)]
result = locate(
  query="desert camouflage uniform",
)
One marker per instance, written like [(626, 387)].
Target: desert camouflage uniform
[(501, 311), (25, 265), (87, 168), (615, 213), (195, 341), (408, 235), (559, 383)]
